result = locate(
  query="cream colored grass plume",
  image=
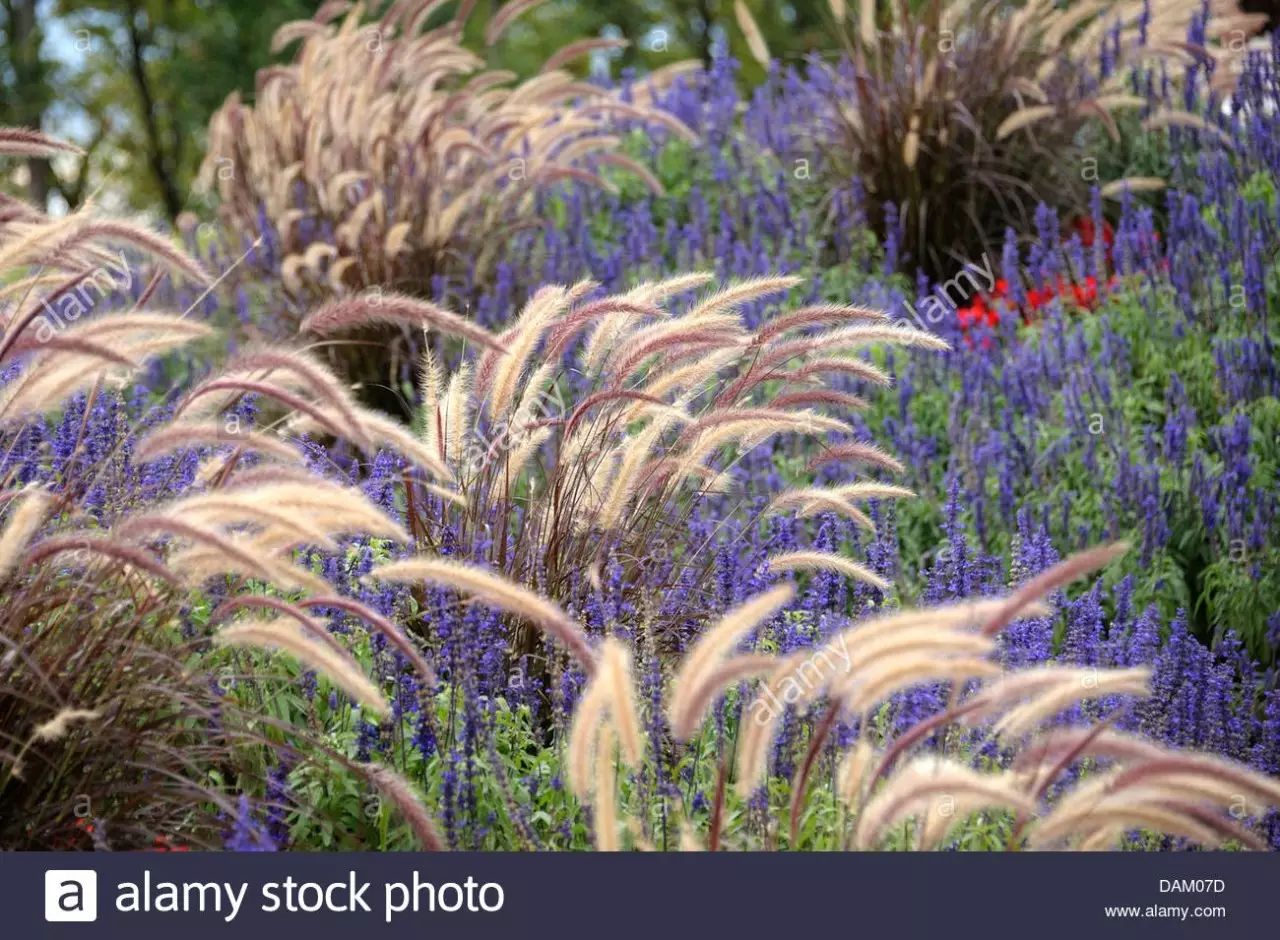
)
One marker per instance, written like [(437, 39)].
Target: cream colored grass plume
[(404, 796), (1022, 701), (610, 695), (439, 184), (313, 399), (1199, 797), (941, 793), (866, 664), (203, 551), (1064, 572), (290, 637), (607, 717), (76, 243), (51, 730), (81, 547), (853, 777), (171, 438), (523, 338), (809, 501), (375, 308), (298, 372), (856, 453), (232, 510), (588, 717), (315, 507), (878, 681), (692, 689), (497, 591), (632, 445), (26, 514), (605, 796), (50, 378), (24, 142)]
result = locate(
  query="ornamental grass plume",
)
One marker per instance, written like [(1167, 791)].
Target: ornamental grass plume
[(1058, 781), (607, 718), (92, 698), (964, 116), (825, 561), (115, 721), (693, 688), (29, 512), (407, 802), (311, 649), (497, 592), (387, 153), (592, 428), (1205, 799), (937, 792)]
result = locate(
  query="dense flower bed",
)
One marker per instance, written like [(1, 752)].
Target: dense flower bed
[(1155, 418)]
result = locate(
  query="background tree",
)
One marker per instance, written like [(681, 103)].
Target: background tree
[(151, 72), (662, 31), (26, 81)]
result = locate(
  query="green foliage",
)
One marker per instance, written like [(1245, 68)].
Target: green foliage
[(139, 79), (1217, 581)]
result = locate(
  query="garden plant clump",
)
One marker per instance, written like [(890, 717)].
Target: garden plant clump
[(727, 486)]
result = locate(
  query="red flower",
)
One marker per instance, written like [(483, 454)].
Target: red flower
[(987, 309), (1086, 294), (1084, 227), (163, 844)]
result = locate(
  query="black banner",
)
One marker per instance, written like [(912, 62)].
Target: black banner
[(655, 897)]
